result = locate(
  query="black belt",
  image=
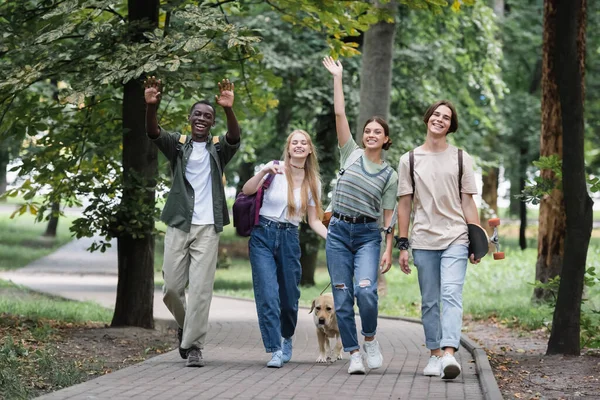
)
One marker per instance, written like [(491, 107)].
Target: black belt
[(354, 220)]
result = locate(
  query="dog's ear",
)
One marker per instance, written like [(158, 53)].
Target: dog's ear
[(312, 307)]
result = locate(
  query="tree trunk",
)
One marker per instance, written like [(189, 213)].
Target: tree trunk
[(570, 48), (135, 289), (499, 8), (376, 70), (552, 213), (245, 172), (489, 195), (522, 205), (4, 159), (53, 221), (376, 79), (309, 251)]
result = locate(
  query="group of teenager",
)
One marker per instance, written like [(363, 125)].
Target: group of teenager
[(367, 191)]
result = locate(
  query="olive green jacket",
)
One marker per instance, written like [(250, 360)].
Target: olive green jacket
[(179, 208)]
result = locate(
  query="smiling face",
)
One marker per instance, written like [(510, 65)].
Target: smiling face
[(439, 121), (374, 136), (202, 118), (299, 146)]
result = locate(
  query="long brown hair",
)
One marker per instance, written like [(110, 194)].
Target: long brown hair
[(311, 182)]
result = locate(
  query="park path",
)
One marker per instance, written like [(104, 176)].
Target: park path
[(235, 358)]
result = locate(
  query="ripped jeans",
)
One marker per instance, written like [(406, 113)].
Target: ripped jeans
[(353, 252)]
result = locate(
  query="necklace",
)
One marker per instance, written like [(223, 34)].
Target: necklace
[(296, 166)]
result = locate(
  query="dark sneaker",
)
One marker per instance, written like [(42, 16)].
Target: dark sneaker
[(182, 352), (194, 357)]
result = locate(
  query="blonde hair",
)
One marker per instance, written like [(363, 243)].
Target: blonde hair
[(312, 178)]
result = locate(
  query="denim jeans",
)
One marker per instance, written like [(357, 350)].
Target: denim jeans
[(352, 260), (274, 249), (441, 279)]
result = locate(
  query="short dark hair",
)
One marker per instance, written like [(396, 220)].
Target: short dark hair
[(386, 129), (208, 103), (453, 118)]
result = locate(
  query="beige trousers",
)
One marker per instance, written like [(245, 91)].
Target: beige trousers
[(190, 258)]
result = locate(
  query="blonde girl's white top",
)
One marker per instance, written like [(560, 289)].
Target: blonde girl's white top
[(275, 200)]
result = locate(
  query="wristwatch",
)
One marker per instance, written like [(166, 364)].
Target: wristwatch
[(401, 243)]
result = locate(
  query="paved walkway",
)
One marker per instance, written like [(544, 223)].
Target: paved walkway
[(235, 367)]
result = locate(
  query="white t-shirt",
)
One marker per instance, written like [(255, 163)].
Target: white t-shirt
[(275, 200), (197, 172)]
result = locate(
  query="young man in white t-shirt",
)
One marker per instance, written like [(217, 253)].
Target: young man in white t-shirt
[(439, 237), (195, 211)]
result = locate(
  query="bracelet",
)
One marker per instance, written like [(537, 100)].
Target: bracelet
[(401, 243)]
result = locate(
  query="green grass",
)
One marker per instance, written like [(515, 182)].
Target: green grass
[(21, 240), (19, 300), (29, 365)]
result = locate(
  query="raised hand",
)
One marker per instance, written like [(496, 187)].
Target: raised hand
[(225, 97), (335, 67), (152, 90)]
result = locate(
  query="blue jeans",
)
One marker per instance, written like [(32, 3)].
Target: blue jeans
[(274, 249), (441, 279), (352, 260)]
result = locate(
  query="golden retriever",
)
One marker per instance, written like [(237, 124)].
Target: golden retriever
[(327, 328)]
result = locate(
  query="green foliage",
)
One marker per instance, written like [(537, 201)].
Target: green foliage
[(542, 186), (65, 63), (456, 56)]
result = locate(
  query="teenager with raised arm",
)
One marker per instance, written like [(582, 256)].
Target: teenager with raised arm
[(195, 211), (443, 204), (364, 191)]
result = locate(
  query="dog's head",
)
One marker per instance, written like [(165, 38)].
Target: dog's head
[(324, 310)]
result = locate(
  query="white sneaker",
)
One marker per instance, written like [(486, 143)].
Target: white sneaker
[(356, 364), (374, 357), (450, 367), (434, 366)]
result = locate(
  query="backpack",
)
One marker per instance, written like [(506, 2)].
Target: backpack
[(411, 162), (246, 208)]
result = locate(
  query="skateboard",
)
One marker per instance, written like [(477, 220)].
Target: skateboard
[(479, 241)]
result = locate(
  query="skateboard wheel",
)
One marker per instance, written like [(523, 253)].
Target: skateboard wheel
[(493, 222), (499, 256)]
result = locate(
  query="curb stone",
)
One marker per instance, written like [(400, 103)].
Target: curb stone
[(489, 386)]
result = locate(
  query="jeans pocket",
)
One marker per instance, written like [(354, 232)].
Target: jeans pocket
[(372, 226)]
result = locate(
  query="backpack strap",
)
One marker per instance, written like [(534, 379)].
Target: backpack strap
[(352, 158), (216, 142), (460, 172), (411, 163)]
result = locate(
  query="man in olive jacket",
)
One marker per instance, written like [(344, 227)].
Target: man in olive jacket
[(195, 212)]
